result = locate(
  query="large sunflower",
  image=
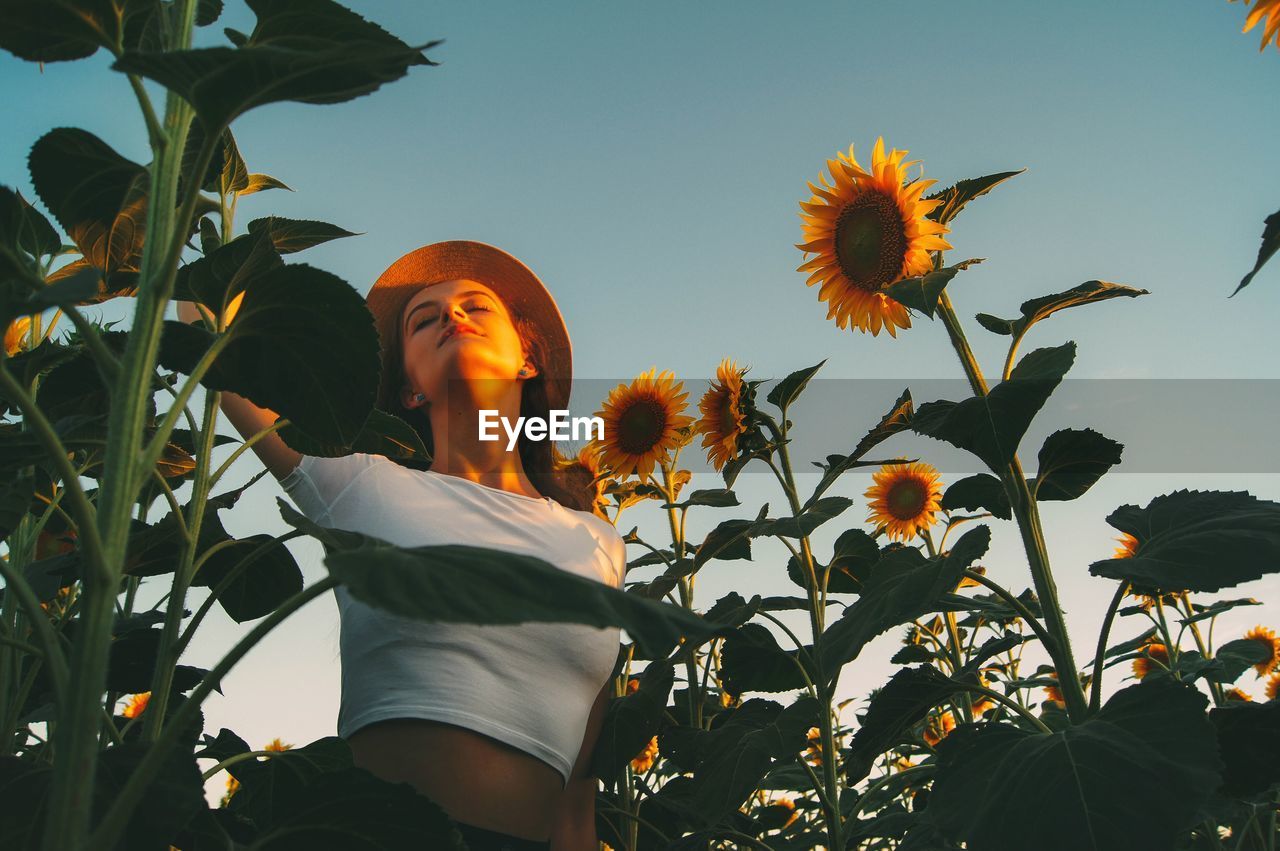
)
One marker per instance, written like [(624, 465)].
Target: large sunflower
[(642, 421), (1143, 665), (1269, 9), (1268, 641), (904, 499), (722, 421), (868, 230)]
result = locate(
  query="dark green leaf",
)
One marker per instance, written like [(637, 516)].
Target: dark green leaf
[(1071, 462), (318, 52), (631, 721), (382, 434), (457, 583), (217, 278), (980, 492), (716, 497), (1197, 541), (901, 588), (1036, 309), (268, 578), (896, 419), (806, 521), (1249, 742), (895, 707), (99, 198), (922, 293), (1270, 245), (289, 235), (786, 390), (729, 540), (954, 198), (62, 30), (1238, 656), (261, 183), (23, 228), (751, 660), (992, 426), (303, 345), (1137, 773), (169, 802)]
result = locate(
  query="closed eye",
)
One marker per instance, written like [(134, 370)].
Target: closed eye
[(431, 319)]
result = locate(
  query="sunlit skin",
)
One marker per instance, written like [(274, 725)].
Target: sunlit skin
[(476, 779), (461, 373)]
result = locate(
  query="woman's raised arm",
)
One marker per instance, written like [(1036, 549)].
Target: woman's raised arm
[(249, 419)]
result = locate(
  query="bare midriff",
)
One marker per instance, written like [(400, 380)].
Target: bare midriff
[(474, 778)]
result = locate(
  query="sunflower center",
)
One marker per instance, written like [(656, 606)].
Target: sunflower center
[(870, 241), (906, 499), (641, 426)]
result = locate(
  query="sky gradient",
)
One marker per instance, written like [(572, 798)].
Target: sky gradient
[(647, 161)]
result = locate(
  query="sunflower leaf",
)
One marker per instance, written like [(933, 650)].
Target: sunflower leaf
[(459, 583), (318, 52), (1071, 462), (803, 524), (751, 660), (922, 293), (290, 235), (992, 426), (632, 720), (1036, 309), (895, 593), (1216, 608), (954, 198), (1197, 541), (989, 790), (382, 434), (64, 30), (1249, 742), (786, 390), (896, 419), (894, 708), (982, 491), (23, 228), (1270, 245), (1238, 656)]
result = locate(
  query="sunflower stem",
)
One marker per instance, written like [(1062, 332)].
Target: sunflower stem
[(1028, 517), (686, 600), (1219, 697), (1095, 696)]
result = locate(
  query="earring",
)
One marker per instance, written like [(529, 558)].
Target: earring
[(419, 397), (523, 371)]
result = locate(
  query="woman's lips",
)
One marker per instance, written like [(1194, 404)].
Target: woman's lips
[(457, 330)]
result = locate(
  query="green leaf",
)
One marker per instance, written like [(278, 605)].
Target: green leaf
[(1270, 245), (895, 707), (853, 556), (382, 434), (23, 228), (902, 586), (740, 752), (751, 660), (631, 721), (1071, 462), (99, 198), (1249, 742), (786, 390), (730, 540), (803, 524), (980, 492), (1197, 541), (992, 426), (1216, 608), (218, 277), (457, 583), (170, 800), (1090, 292), (1141, 767), (62, 30), (954, 198), (303, 344), (290, 235), (317, 52), (1238, 656), (922, 293), (270, 578), (261, 183), (715, 497)]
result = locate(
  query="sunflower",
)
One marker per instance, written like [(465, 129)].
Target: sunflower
[(583, 473), (633, 685), (642, 423), (868, 230), (938, 726), (722, 421), (983, 702), (904, 499), (1054, 693), (1142, 666), (1267, 639), (813, 753), (1273, 686), (1269, 9), (1128, 545), (233, 786), (276, 745), (790, 806), (1237, 694), (644, 760), (16, 335), (136, 705)]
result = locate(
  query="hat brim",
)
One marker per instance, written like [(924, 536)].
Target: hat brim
[(517, 286)]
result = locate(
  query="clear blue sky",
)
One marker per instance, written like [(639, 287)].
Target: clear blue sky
[(647, 159)]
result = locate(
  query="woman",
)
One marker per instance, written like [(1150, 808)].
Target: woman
[(494, 723)]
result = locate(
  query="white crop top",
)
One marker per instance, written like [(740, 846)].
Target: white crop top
[(530, 685)]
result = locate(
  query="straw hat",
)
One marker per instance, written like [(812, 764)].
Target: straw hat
[(517, 286)]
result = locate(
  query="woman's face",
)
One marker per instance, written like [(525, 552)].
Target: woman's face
[(457, 330)]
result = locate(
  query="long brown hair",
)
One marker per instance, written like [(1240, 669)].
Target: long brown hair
[(539, 458)]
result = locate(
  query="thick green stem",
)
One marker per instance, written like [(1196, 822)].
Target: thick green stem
[(1028, 516), (1095, 695)]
